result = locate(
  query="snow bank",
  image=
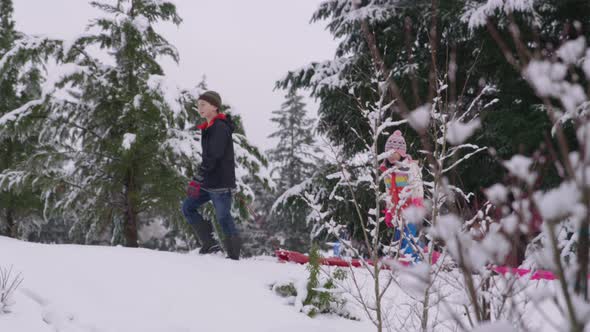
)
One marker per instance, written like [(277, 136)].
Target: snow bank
[(87, 288)]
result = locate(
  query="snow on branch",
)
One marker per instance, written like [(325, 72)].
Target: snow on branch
[(182, 143), (388, 123), (171, 92), (548, 80), (419, 119), (296, 190), (458, 132), (49, 88), (560, 202), (465, 157), (477, 14), (326, 74), (520, 166), (344, 13), (23, 111)]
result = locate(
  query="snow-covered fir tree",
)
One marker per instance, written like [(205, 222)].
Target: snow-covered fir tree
[(20, 82), (115, 127), (295, 160), (7, 101), (118, 141), (295, 154)]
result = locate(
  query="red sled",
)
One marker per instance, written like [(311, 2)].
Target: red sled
[(537, 275), (297, 257)]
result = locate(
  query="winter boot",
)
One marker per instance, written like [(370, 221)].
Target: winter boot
[(204, 231), (233, 245)]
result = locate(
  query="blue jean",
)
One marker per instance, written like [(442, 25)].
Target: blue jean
[(222, 205), (408, 243)]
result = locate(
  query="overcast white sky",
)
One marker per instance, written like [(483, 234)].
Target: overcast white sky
[(242, 47)]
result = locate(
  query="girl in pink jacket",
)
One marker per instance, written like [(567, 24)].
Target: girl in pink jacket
[(404, 184)]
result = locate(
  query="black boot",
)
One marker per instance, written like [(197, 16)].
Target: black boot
[(204, 231), (233, 245)]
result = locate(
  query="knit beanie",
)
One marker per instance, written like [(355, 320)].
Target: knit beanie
[(212, 98), (396, 143)]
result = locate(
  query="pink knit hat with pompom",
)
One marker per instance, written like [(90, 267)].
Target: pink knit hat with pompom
[(396, 143)]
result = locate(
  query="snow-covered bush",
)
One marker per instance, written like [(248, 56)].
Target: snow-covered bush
[(286, 289), (320, 293)]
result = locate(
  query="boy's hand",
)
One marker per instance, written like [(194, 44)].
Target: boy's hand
[(194, 189)]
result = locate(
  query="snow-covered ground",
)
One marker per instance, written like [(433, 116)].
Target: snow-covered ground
[(73, 288), (69, 288)]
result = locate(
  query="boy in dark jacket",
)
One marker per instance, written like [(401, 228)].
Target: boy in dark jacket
[(215, 179)]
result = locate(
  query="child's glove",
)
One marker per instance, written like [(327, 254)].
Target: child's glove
[(417, 201), (388, 219), (194, 189)]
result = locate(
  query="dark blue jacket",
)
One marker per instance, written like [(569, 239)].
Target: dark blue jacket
[(218, 169)]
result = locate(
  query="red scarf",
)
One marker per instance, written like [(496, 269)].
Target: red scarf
[(206, 124)]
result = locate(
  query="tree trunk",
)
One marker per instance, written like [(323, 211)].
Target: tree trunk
[(131, 219), (12, 227), (130, 230), (486, 306), (583, 253), (12, 230)]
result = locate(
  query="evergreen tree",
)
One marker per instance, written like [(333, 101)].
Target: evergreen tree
[(118, 128), (516, 123), (117, 142), (295, 161), (261, 234), (105, 150), (347, 85), (344, 86), (20, 83), (7, 102), (295, 152), (8, 34)]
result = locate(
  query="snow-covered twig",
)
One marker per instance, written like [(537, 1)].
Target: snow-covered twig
[(8, 285)]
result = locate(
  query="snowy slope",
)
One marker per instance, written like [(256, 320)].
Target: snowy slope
[(70, 288)]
